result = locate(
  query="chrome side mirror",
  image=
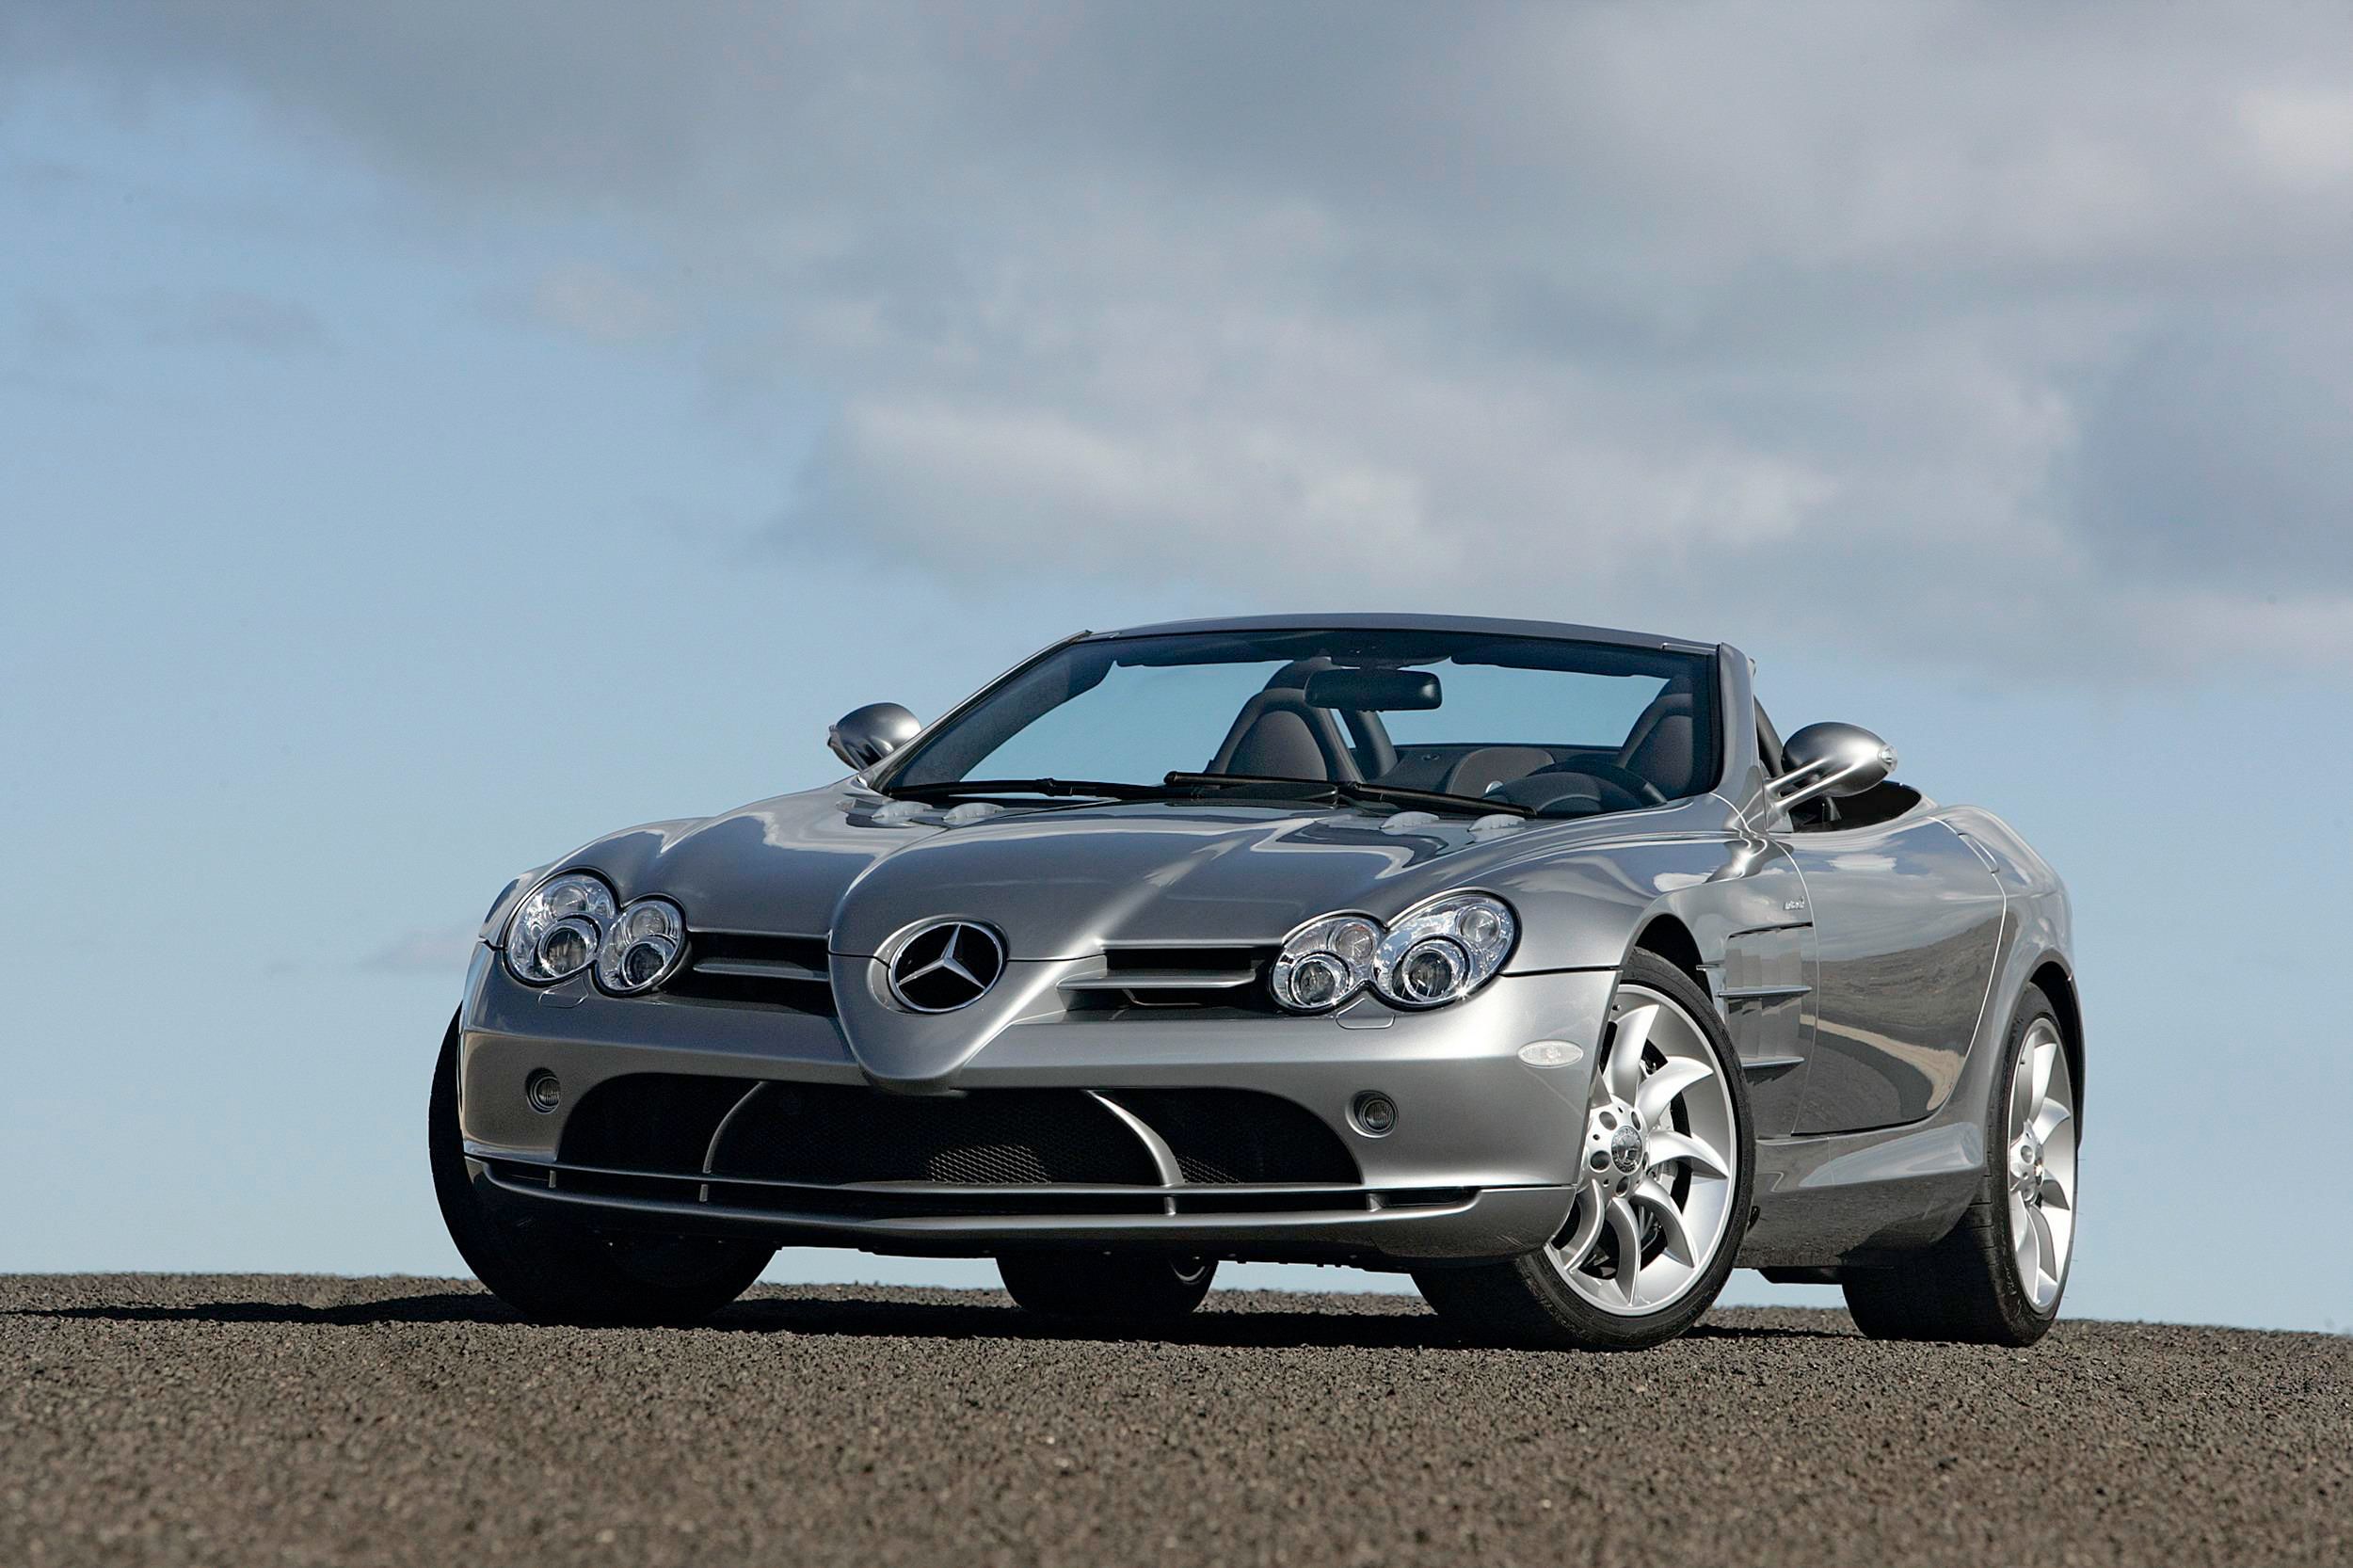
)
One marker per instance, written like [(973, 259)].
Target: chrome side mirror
[(864, 736), (1834, 760)]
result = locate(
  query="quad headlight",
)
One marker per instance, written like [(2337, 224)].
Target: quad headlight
[(642, 947), (571, 923), (1436, 952)]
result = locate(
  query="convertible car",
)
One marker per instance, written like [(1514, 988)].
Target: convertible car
[(1526, 959)]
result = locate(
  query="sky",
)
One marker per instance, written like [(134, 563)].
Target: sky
[(433, 434)]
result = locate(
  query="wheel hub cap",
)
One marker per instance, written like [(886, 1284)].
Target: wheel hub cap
[(2026, 1169), (1615, 1147)]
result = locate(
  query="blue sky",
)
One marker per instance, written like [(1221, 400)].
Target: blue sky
[(408, 471)]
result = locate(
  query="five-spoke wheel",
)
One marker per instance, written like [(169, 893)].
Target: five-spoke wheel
[(2041, 1164)]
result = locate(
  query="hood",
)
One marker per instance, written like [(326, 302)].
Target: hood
[(1063, 882)]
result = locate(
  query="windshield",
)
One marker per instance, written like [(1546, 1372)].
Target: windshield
[(1529, 724)]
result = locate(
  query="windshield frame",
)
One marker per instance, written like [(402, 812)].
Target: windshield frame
[(882, 775)]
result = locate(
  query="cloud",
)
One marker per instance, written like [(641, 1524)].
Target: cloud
[(597, 302), (2002, 335)]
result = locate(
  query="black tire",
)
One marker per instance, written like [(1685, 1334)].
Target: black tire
[(1965, 1290), (1524, 1301), (1096, 1286), (554, 1272)]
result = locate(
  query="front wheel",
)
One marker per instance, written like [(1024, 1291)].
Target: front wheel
[(1663, 1202), (554, 1272), (1133, 1288)]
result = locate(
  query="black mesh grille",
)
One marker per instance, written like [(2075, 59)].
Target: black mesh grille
[(1005, 1136), (1239, 1135)]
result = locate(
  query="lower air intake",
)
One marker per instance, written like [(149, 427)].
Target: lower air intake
[(833, 1134)]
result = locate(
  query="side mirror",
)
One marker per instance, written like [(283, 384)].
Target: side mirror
[(1834, 760), (864, 736)]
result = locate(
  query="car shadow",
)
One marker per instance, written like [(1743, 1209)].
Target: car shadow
[(1253, 1328), (451, 1306)]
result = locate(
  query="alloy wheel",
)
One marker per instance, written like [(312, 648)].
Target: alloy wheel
[(2039, 1164), (1658, 1162)]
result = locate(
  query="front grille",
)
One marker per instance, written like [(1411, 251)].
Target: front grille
[(742, 970), (1222, 982)]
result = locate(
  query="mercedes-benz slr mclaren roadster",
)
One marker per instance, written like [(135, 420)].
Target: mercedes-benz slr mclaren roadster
[(1525, 959)]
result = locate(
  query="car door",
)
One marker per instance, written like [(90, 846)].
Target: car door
[(1907, 923)]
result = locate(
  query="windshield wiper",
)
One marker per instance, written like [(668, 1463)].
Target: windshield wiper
[(1348, 790), (968, 788), (1339, 792)]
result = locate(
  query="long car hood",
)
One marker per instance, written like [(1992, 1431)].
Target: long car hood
[(1063, 882)]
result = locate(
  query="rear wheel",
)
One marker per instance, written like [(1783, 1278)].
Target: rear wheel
[(1135, 1287), (1664, 1199), (1998, 1277), (555, 1272)]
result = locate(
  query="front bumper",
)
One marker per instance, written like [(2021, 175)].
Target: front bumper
[(1481, 1164)]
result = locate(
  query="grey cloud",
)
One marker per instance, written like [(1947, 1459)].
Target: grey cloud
[(2222, 448), (1985, 319)]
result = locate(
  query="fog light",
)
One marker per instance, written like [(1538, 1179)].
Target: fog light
[(544, 1093), (1373, 1113)]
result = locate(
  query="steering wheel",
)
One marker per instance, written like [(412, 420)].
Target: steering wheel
[(1597, 782), (1609, 772)]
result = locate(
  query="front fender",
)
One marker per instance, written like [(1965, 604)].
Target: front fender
[(1584, 910)]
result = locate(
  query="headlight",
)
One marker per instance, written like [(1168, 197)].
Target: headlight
[(1437, 952), (1326, 962), (556, 931), (1444, 950), (642, 947)]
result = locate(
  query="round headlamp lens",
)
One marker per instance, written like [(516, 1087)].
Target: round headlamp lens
[(567, 947), (555, 931), (1315, 980), (1352, 941), (642, 947), (1431, 971)]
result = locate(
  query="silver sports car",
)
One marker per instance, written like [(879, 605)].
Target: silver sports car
[(1526, 959)]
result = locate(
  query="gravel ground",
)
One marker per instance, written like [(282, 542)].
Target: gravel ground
[(297, 1421)]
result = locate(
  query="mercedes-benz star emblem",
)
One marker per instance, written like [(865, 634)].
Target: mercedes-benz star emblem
[(944, 966)]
